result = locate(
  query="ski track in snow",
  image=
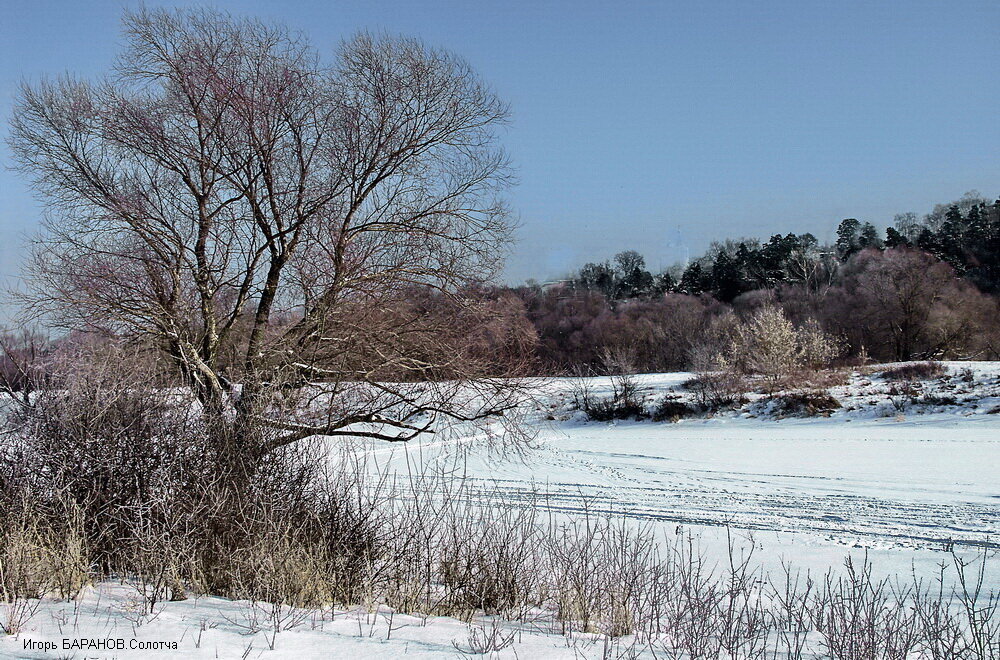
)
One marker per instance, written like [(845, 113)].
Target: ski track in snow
[(666, 489), (858, 478)]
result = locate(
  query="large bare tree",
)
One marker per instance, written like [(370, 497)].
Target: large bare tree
[(292, 234)]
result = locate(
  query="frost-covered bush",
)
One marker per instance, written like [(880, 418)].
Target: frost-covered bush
[(767, 344), (817, 348), (770, 345)]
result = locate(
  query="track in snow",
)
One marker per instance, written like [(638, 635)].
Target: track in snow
[(876, 483)]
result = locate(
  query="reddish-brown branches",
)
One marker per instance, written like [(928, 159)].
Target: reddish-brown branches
[(262, 216)]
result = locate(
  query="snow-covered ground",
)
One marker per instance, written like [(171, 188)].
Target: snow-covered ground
[(103, 623), (901, 481)]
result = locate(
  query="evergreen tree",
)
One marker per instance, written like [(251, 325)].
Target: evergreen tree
[(982, 247), (727, 281), (639, 282), (663, 283), (974, 224), (750, 263), (927, 241), (894, 239), (951, 239), (847, 238), (774, 258), (868, 237), (693, 280)]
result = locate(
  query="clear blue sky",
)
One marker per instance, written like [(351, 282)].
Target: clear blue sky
[(651, 125)]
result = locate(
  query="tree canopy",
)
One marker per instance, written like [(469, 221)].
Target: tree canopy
[(263, 216)]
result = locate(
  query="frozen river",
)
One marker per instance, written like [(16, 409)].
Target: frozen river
[(809, 491)]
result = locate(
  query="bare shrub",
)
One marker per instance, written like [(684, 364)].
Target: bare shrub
[(815, 379), (981, 609), (490, 559), (487, 638), (902, 394), (626, 400), (43, 551), (106, 442), (942, 632), (671, 409), (861, 617), (582, 389), (42, 554), (602, 571), (616, 407), (746, 620), (15, 612), (792, 622), (810, 403), (105, 473), (718, 384), (915, 371), (718, 390), (691, 598), (938, 400), (23, 362), (156, 558)]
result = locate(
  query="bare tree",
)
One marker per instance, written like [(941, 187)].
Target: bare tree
[(907, 304), (285, 230)]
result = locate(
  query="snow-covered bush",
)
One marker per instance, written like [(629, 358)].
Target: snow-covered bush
[(767, 344), (817, 348)]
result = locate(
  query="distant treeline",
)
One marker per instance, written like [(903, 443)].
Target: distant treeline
[(964, 234), (925, 288)]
